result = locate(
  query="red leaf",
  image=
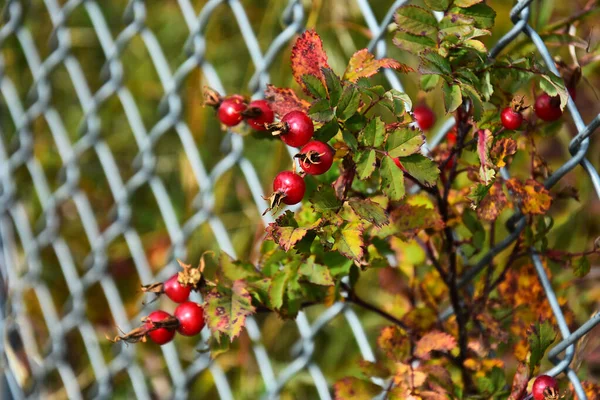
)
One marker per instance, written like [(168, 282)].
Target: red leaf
[(364, 64), (308, 57), (283, 100), (519, 384)]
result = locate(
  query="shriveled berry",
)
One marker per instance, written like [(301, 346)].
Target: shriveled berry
[(298, 128), (316, 157), (230, 110), (424, 116), (175, 290), (160, 335), (545, 388), (191, 318), (548, 108), (264, 114), (511, 119), (291, 186)]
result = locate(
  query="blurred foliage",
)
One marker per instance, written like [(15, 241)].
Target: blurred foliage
[(341, 25)]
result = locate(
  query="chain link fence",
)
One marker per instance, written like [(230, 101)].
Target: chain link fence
[(34, 209)]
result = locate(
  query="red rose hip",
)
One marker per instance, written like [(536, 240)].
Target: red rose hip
[(291, 186), (191, 318), (545, 388), (161, 335), (261, 114), (511, 119), (230, 110), (548, 108), (316, 157), (175, 290), (295, 128), (424, 116)]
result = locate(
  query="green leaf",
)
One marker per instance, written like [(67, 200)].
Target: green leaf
[(412, 43), (321, 111), (356, 123), (542, 336), (554, 86), (581, 267), (470, 92), (349, 241), (350, 140), (466, 3), (323, 200), (417, 21), (226, 310), (452, 96), (438, 5), (421, 168), (486, 86), (370, 211), (315, 273), (235, 270), (348, 102), (400, 99), (277, 288), (392, 179), (429, 82), (433, 63), (374, 133), (356, 389), (334, 86), (482, 14), (314, 86), (404, 141), (327, 131), (365, 163)]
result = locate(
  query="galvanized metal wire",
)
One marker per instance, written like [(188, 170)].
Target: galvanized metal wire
[(23, 241)]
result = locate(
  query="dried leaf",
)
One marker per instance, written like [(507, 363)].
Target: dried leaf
[(308, 57), (435, 340), (363, 64), (493, 204), (533, 196), (503, 148), (484, 140), (284, 100)]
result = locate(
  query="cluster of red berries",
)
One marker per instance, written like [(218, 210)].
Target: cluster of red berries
[(232, 110), (545, 388), (188, 318)]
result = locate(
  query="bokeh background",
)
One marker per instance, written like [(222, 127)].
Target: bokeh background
[(342, 25)]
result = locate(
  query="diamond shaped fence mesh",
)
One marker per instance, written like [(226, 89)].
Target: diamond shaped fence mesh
[(82, 142)]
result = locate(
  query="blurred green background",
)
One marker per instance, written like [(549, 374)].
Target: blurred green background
[(342, 27)]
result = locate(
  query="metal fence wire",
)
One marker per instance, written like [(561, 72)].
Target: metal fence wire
[(23, 241)]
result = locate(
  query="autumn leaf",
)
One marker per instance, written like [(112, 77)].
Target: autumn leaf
[(592, 390), (408, 377), (484, 140), (349, 241), (283, 100), (493, 204), (519, 383), (410, 219), (532, 195), (394, 343), (434, 341), (351, 388), (363, 64), (503, 148), (286, 232), (226, 310), (308, 58), (315, 273)]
